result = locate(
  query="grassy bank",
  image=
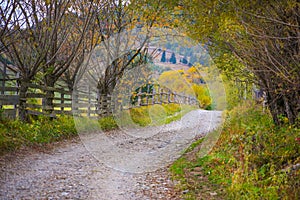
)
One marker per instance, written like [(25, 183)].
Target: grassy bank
[(155, 115), (14, 133), (253, 159)]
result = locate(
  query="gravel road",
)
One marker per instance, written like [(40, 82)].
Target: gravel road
[(121, 164)]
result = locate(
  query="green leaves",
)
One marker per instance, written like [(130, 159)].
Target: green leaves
[(16, 133)]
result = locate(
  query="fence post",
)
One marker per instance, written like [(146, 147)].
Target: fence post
[(139, 96), (153, 96), (128, 103), (89, 102), (99, 99), (174, 97), (161, 95), (109, 105), (97, 102), (103, 105), (62, 101), (3, 81), (119, 101), (169, 96), (16, 106), (75, 99)]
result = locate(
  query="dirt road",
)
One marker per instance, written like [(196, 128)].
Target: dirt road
[(121, 164)]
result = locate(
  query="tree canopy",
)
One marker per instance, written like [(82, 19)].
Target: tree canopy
[(256, 41)]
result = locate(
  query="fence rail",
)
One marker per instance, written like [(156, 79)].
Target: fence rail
[(85, 103)]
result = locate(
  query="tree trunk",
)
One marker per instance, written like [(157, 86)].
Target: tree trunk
[(285, 106), (104, 92), (23, 100)]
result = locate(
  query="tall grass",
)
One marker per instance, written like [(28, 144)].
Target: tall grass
[(253, 158)]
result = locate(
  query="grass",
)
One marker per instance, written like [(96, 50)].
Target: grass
[(251, 160), (42, 130), (154, 115), (14, 133)]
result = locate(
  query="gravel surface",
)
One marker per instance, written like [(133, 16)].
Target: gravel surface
[(122, 164)]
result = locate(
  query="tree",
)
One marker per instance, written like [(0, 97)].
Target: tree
[(272, 54), (259, 38), (173, 58), (122, 46), (163, 57), (175, 81), (184, 60), (38, 41), (70, 42), (32, 45), (8, 17), (114, 24)]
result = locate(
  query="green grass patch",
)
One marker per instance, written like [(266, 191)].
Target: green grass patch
[(14, 133), (155, 115), (194, 145), (41, 130), (184, 109), (250, 159)]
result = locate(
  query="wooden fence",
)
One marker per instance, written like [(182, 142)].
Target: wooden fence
[(9, 100), (84, 102), (91, 104)]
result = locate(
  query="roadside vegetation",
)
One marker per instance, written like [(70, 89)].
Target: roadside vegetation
[(189, 82), (253, 159), (155, 115), (15, 133), (43, 130)]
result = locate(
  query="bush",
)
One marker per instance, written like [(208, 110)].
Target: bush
[(108, 123)]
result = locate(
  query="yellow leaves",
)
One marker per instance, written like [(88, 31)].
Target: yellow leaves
[(180, 71), (47, 2), (192, 70), (202, 95), (229, 26), (175, 81), (182, 82)]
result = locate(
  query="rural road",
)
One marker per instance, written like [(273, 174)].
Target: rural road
[(115, 165)]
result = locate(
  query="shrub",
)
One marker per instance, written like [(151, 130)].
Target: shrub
[(108, 123)]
